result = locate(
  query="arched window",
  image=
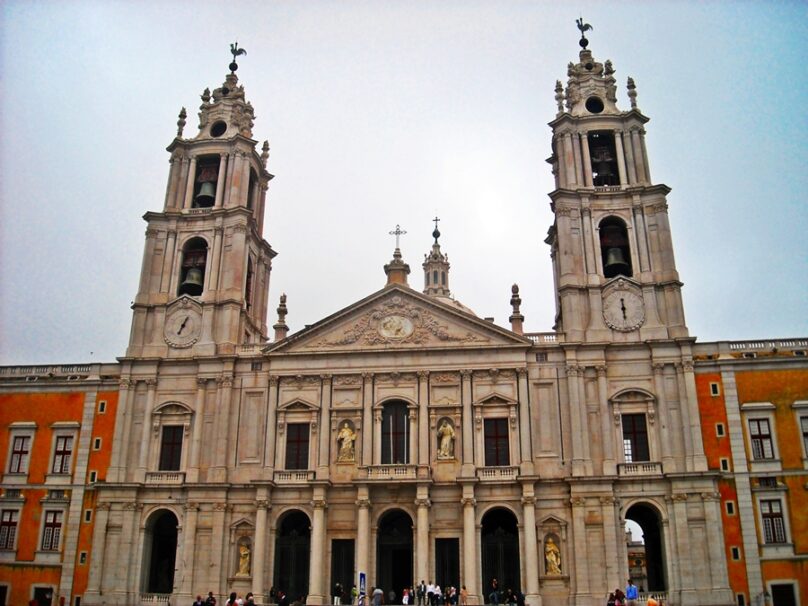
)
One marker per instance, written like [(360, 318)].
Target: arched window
[(614, 248), (207, 174), (248, 286), (192, 269), (395, 435)]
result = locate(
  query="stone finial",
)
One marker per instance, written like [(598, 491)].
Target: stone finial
[(632, 92), (516, 318), (265, 153), (281, 329), (559, 96), (206, 96), (181, 122)]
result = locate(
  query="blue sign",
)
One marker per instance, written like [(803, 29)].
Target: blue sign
[(363, 583)]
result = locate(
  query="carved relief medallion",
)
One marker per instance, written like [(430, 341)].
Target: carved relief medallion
[(395, 327)]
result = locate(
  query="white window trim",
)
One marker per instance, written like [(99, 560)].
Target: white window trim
[(636, 402), (732, 550), (62, 430), (172, 413), (18, 430), (723, 432), (774, 550), (794, 582), (49, 556), (761, 410), (723, 464), (715, 389), (734, 507), (98, 443), (10, 555), (102, 407), (800, 408)]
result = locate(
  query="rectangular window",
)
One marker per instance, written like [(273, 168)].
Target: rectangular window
[(20, 449), (88, 515), (62, 454), (171, 448), (724, 464), (97, 444), (395, 441), (719, 430), (93, 477), (741, 599), (102, 407), (774, 528), (8, 528), (635, 438), (736, 553), (730, 505), (83, 557), (52, 531), (497, 450), (761, 437), (804, 431), (297, 446), (714, 389), (767, 482)]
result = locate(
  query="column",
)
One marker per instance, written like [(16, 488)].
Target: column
[(148, 258), (587, 160), (362, 529), (215, 258), (189, 185), (269, 460), (259, 546), (684, 411), (122, 437), (220, 179), (632, 171), (168, 260), (217, 543), (412, 451), (199, 426), (641, 237), (325, 426), (316, 593), (644, 151), (95, 583), (377, 437), (469, 467), (526, 464), (692, 403), (609, 460), (145, 435), (576, 418), (367, 419), (470, 556), (423, 504), (621, 160), (244, 192), (636, 144), (684, 562), (121, 566), (531, 546), (423, 419), (581, 556), (575, 139), (568, 160), (232, 160), (611, 536), (185, 571), (178, 196), (171, 186), (218, 473), (668, 462), (715, 543)]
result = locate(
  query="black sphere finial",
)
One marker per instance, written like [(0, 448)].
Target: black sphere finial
[(435, 232), (235, 51)]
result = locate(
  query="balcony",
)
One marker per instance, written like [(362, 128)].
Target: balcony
[(392, 472), (171, 478), (497, 474), (155, 598), (293, 477), (643, 469)]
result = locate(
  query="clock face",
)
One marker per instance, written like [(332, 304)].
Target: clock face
[(623, 310), (182, 327)]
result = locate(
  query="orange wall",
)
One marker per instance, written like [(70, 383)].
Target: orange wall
[(20, 579)]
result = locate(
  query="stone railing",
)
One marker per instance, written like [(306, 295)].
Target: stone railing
[(545, 337), (173, 478), (645, 468), (497, 474), (768, 345), (155, 598), (659, 596), (294, 476), (392, 472)]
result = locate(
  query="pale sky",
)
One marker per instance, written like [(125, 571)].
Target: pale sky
[(385, 113)]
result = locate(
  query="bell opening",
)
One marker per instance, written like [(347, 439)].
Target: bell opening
[(207, 174), (192, 270), (614, 248), (603, 156)]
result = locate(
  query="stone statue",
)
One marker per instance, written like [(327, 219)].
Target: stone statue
[(446, 439), (243, 560), (552, 557), (346, 439)]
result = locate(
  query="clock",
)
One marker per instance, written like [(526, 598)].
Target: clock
[(182, 327), (623, 310)]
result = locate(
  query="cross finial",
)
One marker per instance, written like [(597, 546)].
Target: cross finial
[(435, 220), (397, 233)]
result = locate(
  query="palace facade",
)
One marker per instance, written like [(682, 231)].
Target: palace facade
[(403, 436)]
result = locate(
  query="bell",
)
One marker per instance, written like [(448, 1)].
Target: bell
[(615, 263), (192, 285), (207, 195)]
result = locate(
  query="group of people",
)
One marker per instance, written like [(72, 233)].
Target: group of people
[(497, 595), (425, 594), (630, 598), (276, 596)]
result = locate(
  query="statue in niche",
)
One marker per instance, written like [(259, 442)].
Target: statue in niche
[(243, 560), (552, 557), (446, 440), (346, 438)]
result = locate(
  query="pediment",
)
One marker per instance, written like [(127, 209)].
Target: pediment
[(396, 318), (173, 408), (496, 399), (297, 405)]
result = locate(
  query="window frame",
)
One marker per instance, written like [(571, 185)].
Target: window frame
[(13, 512), (302, 462), (63, 456), (47, 543), (498, 449), (20, 454), (169, 457), (395, 439), (760, 411), (800, 408), (629, 457)]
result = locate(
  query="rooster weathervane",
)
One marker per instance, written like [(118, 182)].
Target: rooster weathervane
[(236, 51), (583, 27)]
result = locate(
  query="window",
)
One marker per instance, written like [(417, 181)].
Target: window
[(719, 430), (297, 446), (774, 529), (741, 599), (20, 449), (171, 448), (97, 444), (761, 437), (62, 454), (102, 407), (8, 528), (603, 157), (88, 515), (52, 531), (804, 431), (724, 464), (497, 451), (207, 174), (767, 482), (93, 477), (248, 286), (614, 248), (730, 507), (83, 557), (635, 438), (736, 553), (192, 269), (395, 426), (715, 389)]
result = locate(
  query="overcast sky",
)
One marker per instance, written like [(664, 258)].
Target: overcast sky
[(385, 113)]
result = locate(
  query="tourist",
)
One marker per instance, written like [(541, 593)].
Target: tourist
[(198, 601), (464, 596), (632, 594)]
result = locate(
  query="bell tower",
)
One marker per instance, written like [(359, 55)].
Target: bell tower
[(611, 246), (205, 277)]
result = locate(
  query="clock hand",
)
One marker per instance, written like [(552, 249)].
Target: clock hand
[(184, 322), (623, 307)]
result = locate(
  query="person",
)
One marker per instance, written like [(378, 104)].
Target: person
[(198, 601), (430, 594), (421, 593), (632, 594), (552, 557), (652, 601), (249, 599), (231, 600), (619, 597), (376, 596), (610, 600), (283, 599), (336, 594), (405, 596), (464, 596), (493, 592), (272, 595), (354, 593), (438, 595), (210, 600), (391, 597)]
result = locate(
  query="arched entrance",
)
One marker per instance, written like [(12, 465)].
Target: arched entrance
[(292, 555), (394, 552), (500, 552), (650, 522), (160, 552)]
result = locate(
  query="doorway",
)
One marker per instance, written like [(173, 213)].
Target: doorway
[(649, 521), (342, 566), (292, 554), (160, 552), (394, 553), (500, 552)]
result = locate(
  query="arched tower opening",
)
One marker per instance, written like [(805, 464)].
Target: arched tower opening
[(500, 553), (394, 552), (292, 555), (650, 521), (160, 552)]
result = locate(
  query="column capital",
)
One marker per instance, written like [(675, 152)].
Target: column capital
[(658, 367), (710, 496), (367, 375), (225, 380), (363, 503), (601, 370), (262, 504), (319, 504), (679, 497), (201, 382), (274, 380), (577, 501), (423, 503), (610, 500), (125, 383), (325, 377), (191, 506), (103, 507), (466, 374), (150, 383), (521, 372), (422, 374), (528, 500), (468, 502)]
